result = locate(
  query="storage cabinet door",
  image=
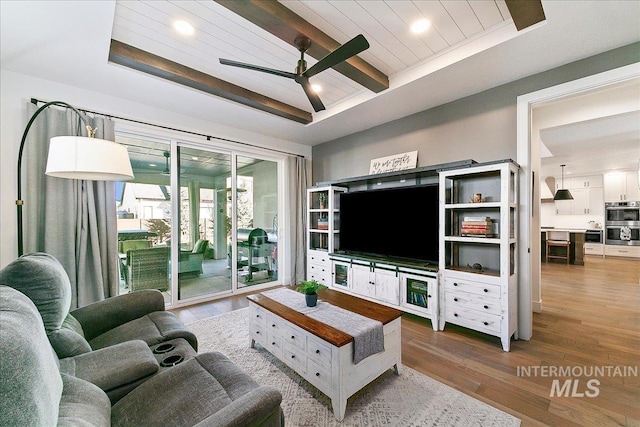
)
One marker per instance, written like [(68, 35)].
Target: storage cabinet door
[(387, 286), (362, 282)]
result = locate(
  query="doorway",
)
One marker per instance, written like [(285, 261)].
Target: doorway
[(528, 156)]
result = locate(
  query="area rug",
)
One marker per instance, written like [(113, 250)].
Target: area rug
[(411, 399)]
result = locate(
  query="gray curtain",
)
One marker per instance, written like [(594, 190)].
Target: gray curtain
[(299, 180), (73, 220)]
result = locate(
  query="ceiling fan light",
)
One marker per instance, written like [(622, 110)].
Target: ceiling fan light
[(316, 88)]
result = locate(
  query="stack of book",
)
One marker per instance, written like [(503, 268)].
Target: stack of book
[(323, 223), (478, 227)]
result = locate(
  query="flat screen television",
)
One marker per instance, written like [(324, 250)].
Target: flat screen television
[(400, 222)]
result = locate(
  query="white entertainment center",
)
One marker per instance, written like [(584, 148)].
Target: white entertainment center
[(474, 283)]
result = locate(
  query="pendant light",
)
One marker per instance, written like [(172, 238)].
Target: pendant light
[(563, 194)]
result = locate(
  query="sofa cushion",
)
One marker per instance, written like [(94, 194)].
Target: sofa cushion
[(83, 404), (192, 392), (153, 328), (200, 246), (30, 383), (43, 279), (113, 367)]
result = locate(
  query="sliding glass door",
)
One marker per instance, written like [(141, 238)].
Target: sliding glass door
[(176, 220), (256, 214), (203, 266)]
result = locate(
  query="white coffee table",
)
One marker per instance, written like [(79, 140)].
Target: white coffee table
[(321, 354)]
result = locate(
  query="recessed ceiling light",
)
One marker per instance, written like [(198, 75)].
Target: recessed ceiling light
[(194, 158), (183, 27), (420, 26), (152, 165), (316, 88)]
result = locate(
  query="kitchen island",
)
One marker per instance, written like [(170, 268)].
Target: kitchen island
[(576, 249)]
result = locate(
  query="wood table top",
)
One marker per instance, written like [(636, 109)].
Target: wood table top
[(328, 333)]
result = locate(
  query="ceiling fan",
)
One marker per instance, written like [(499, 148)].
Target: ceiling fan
[(302, 74)]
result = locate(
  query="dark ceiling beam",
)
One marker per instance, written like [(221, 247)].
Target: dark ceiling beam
[(283, 23), (140, 60), (525, 13)]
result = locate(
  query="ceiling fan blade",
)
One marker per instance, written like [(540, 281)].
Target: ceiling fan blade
[(257, 68), (316, 103), (346, 51)]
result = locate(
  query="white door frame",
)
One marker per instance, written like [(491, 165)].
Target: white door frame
[(529, 294)]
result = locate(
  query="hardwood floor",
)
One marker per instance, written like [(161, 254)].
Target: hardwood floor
[(590, 319)]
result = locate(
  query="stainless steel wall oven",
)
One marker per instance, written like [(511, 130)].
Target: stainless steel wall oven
[(622, 223)]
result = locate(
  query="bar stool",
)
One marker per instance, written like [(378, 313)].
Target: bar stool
[(558, 239)]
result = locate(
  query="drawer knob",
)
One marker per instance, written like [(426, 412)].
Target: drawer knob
[(486, 290), (257, 332), (455, 299), (455, 283), (273, 343), (486, 307), (258, 316), (428, 296), (273, 325), (293, 356), (317, 374), (317, 351), (485, 323), (455, 314), (293, 337)]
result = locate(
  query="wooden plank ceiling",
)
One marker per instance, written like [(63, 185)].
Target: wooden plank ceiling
[(262, 32)]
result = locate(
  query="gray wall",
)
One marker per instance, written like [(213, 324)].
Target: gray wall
[(480, 127)]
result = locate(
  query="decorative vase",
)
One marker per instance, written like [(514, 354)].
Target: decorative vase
[(311, 299)]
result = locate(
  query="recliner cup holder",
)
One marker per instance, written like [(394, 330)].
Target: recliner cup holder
[(163, 348), (171, 361)]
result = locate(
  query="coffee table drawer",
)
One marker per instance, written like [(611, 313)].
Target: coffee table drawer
[(295, 337), (319, 376), (275, 325), (258, 333), (274, 344), (319, 352), (295, 358), (258, 314)]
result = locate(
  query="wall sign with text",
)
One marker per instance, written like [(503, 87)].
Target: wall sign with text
[(397, 162)]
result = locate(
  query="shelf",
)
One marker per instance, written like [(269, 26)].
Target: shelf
[(481, 205), (493, 273), (464, 239)]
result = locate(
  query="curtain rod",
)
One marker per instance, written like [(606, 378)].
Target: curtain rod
[(209, 137)]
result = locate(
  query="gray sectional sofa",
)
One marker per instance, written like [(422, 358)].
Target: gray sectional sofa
[(55, 370)]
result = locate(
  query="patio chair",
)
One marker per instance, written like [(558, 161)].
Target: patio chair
[(148, 268)]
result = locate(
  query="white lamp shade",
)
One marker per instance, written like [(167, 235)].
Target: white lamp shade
[(79, 157)]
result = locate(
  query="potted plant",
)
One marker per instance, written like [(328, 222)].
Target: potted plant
[(322, 199), (310, 290)]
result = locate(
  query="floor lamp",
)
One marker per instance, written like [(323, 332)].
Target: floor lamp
[(76, 157)]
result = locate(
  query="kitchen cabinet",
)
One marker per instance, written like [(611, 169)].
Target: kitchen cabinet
[(592, 181), (587, 201), (589, 181), (621, 186)]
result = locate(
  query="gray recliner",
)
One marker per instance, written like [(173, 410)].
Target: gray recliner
[(207, 390), (135, 316)]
